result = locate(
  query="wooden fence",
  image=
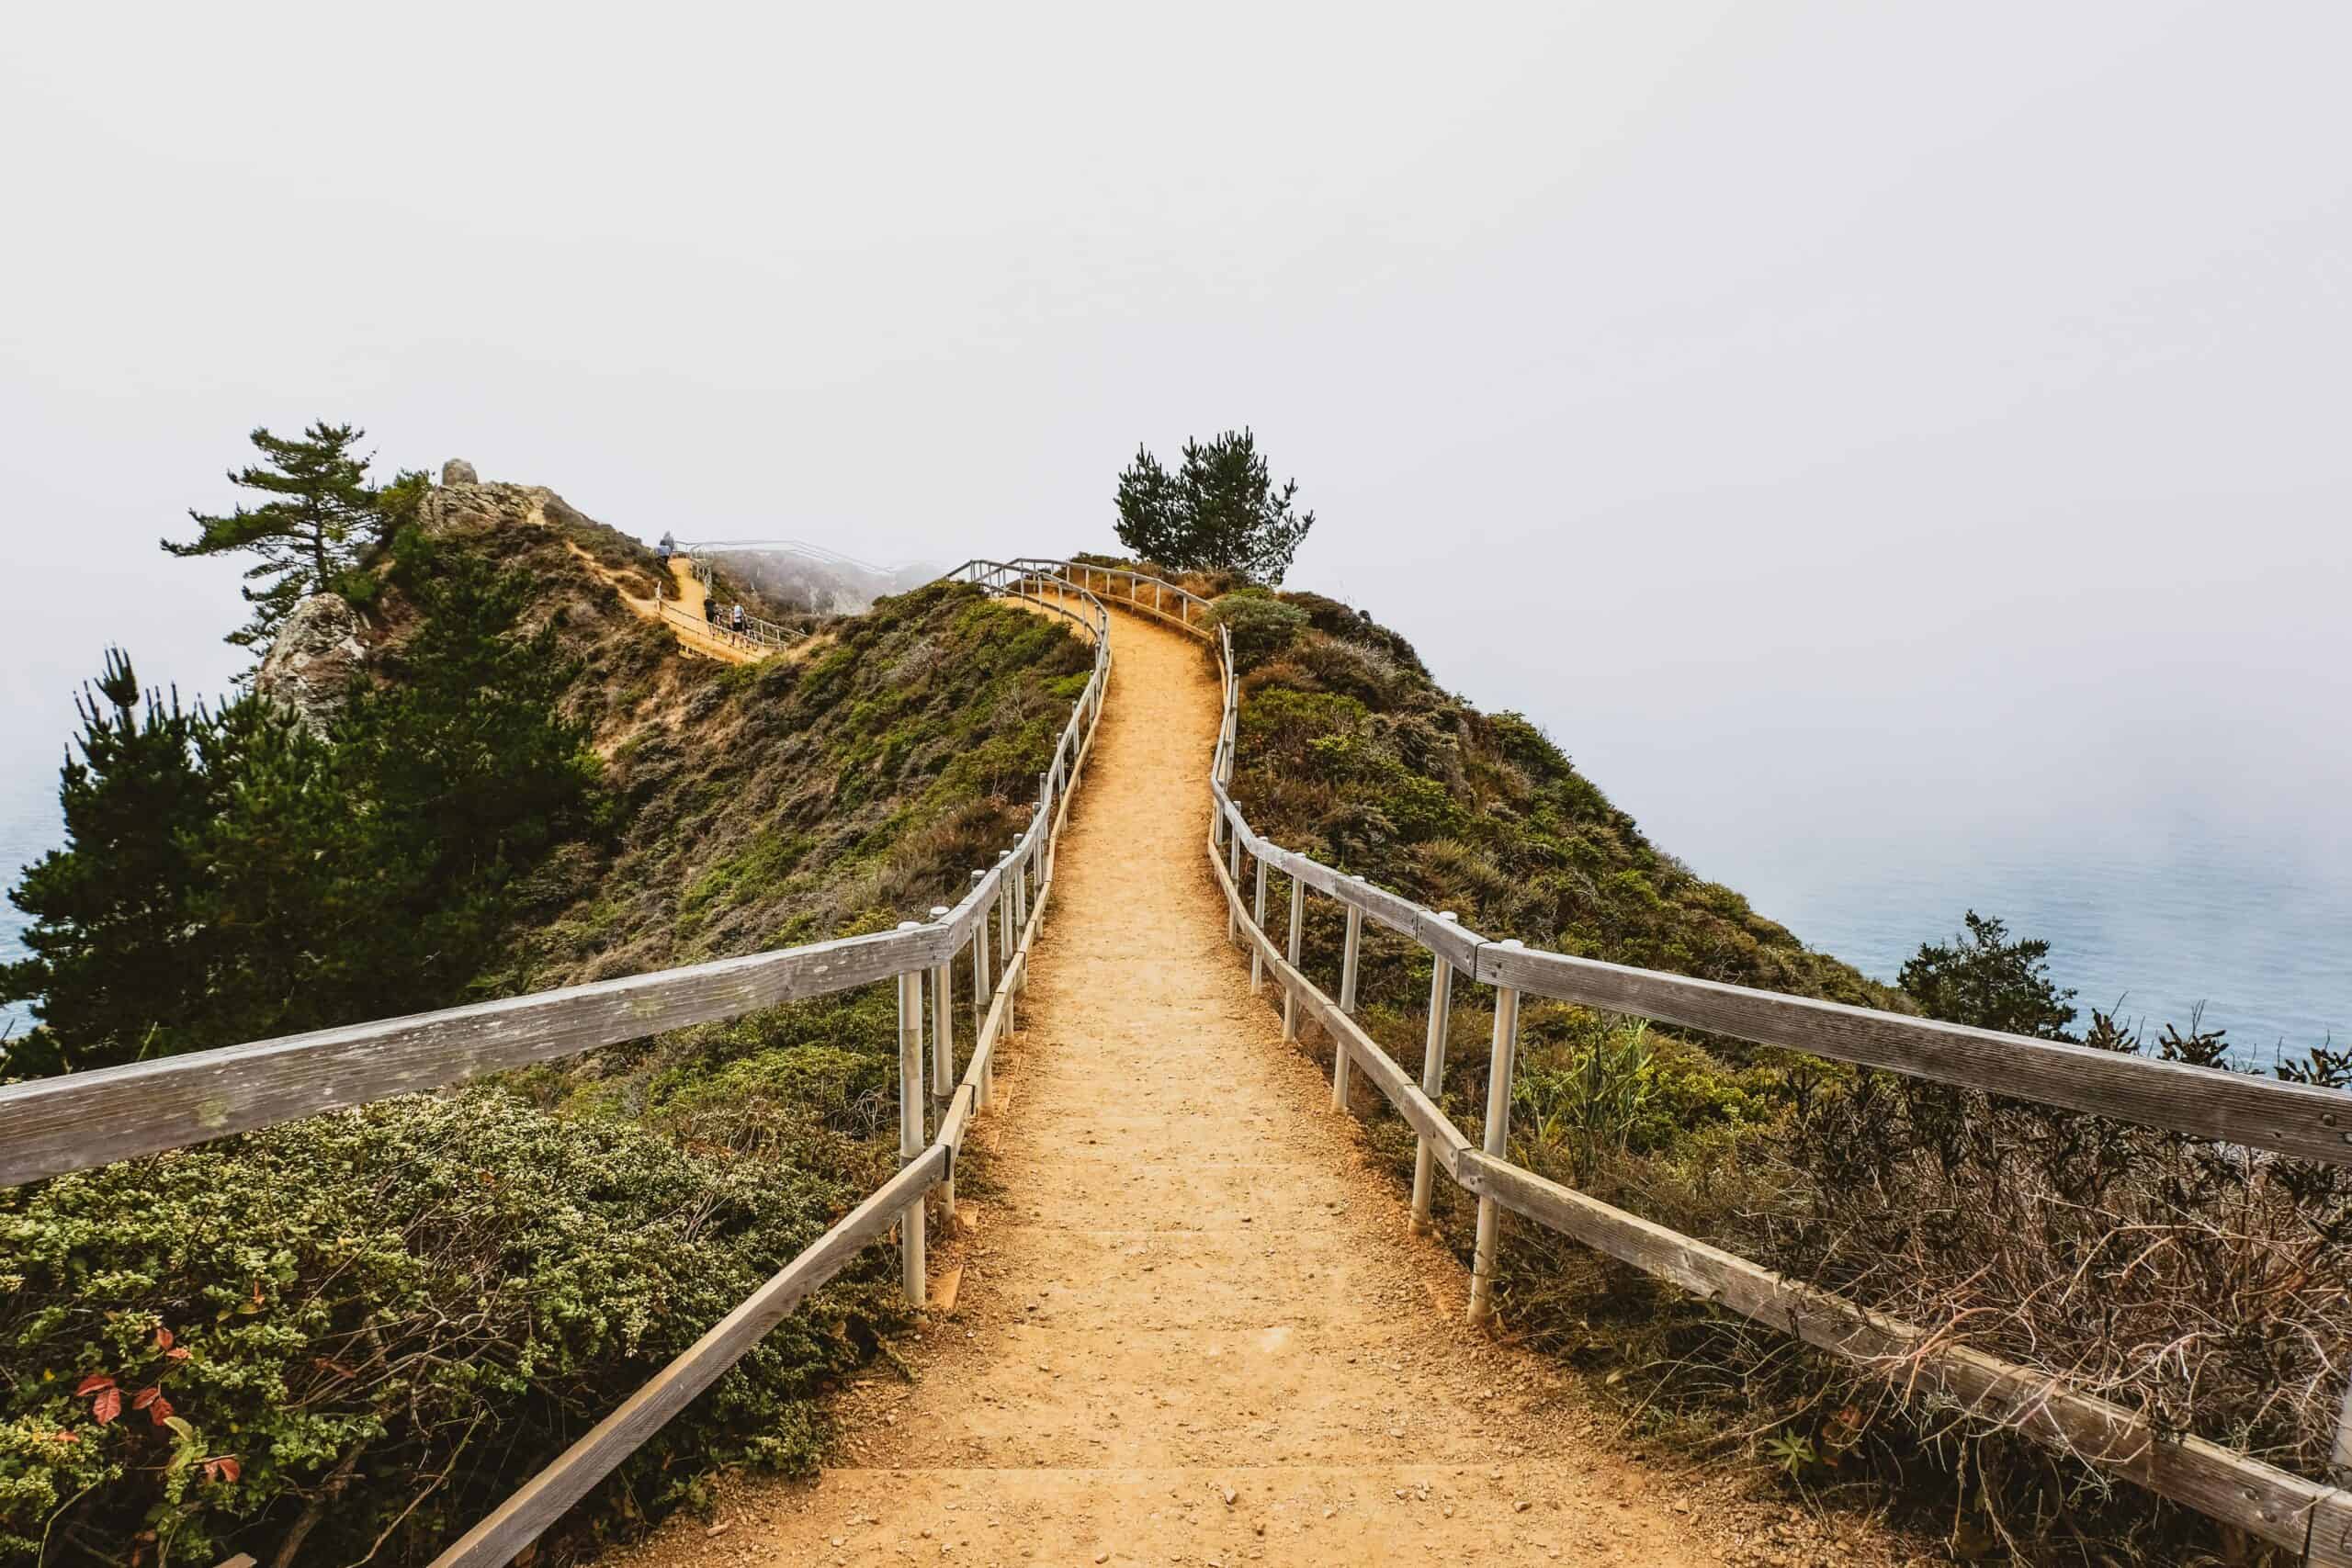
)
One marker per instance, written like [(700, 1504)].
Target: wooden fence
[(2285, 1510), (57, 1125)]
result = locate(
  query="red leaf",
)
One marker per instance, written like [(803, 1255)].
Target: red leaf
[(212, 1469), (177, 1354), (230, 1468), (91, 1384), (161, 1411), (145, 1397), (109, 1405), (67, 1437), (162, 1339)]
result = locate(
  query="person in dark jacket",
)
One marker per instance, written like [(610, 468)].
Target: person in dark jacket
[(710, 611)]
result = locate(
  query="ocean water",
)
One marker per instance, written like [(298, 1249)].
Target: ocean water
[(29, 830), (2250, 928), (2202, 919)]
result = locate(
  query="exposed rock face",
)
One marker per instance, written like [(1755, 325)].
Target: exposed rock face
[(458, 508), (309, 665), (457, 472)]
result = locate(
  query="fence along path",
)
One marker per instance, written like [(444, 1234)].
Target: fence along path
[(2304, 1515), (1181, 1289), (64, 1124), (56, 1125)]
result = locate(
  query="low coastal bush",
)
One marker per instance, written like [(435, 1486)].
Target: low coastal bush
[(2203, 1286), (354, 1333), (347, 1338)]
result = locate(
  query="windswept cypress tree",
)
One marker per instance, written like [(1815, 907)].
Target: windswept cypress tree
[(306, 535)]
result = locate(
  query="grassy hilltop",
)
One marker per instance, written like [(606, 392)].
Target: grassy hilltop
[(361, 1331), (2201, 1284)]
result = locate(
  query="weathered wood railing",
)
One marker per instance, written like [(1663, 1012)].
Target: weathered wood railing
[(2272, 1505), (58, 1125)]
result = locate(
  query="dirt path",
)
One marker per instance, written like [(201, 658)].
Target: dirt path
[(1195, 1329), (683, 611)]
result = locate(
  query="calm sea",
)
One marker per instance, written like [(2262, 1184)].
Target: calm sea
[(2259, 936), (29, 830)]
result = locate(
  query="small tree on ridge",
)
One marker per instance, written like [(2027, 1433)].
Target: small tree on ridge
[(1219, 512)]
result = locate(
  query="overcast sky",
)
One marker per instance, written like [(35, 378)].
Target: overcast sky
[(1870, 423)]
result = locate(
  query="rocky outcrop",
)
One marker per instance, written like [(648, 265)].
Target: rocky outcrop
[(310, 665), (461, 508), (457, 472)]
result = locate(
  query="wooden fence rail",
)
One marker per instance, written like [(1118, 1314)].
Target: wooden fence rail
[(55, 1126), (2274, 1506)]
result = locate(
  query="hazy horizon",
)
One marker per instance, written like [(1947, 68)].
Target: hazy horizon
[(1886, 449)]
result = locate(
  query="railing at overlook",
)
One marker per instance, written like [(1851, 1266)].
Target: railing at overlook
[(755, 632)]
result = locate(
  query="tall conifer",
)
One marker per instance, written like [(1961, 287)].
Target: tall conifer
[(307, 535), (111, 937)]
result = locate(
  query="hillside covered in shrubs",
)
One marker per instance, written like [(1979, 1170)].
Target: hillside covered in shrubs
[(345, 1338), (2206, 1286)]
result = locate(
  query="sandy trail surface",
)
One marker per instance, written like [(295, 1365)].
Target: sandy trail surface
[(683, 611), (1195, 1328)]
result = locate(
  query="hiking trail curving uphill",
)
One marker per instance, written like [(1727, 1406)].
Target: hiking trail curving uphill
[(1194, 1328)]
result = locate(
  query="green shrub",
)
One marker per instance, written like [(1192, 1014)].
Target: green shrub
[(1261, 624), (426, 1298)]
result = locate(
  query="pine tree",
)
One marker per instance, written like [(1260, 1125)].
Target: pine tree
[(1985, 979), (1220, 511), (295, 926), (1151, 512), (111, 938), (307, 535), (473, 769)]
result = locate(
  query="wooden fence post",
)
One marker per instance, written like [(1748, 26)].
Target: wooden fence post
[(1257, 954), (911, 1125), (1046, 816), (982, 992), (1481, 1262), (1008, 931), (1033, 886), (1233, 869), (943, 1052), (1290, 990), (1346, 1005), (1433, 1078)]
